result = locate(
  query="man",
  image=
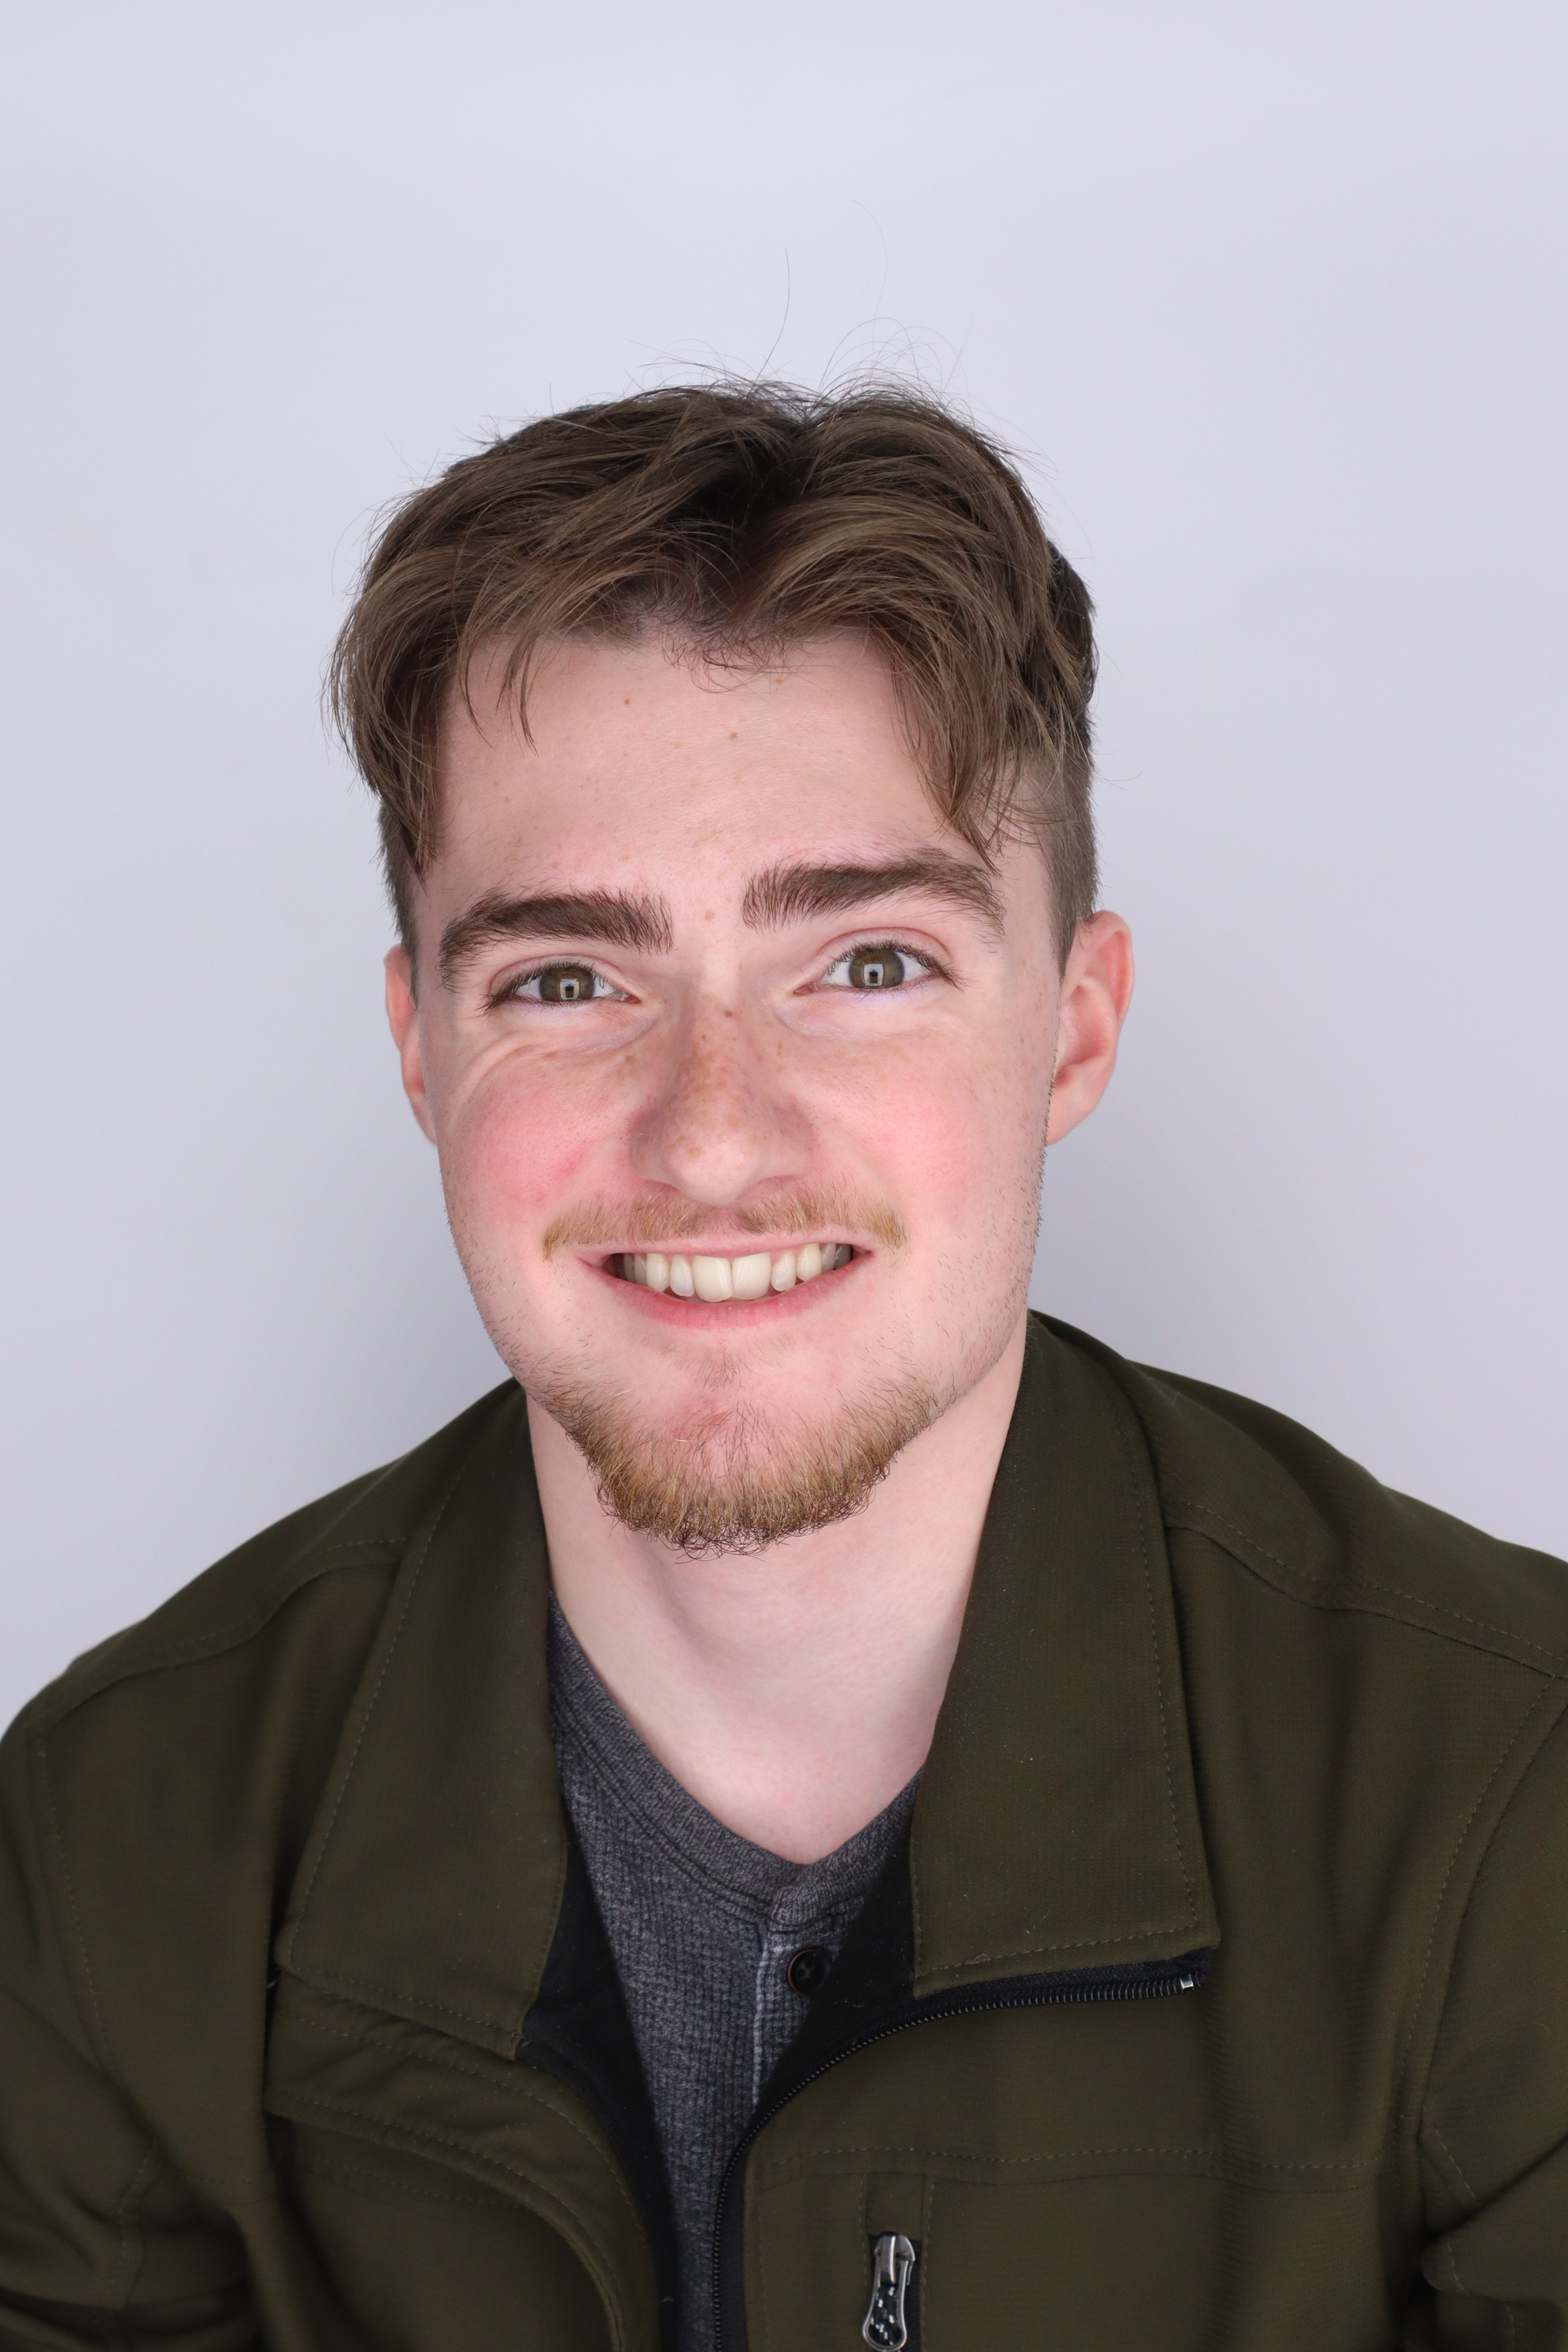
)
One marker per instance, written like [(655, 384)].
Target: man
[(830, 1808)]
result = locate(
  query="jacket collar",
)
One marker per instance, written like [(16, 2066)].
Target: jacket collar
[(433, 1877), (1057, 1822), (1056, 1825)]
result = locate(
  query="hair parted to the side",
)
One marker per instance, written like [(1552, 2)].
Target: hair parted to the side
[(742, 520)]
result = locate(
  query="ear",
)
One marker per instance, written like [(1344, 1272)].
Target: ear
[(403, 1013), (1095, 990)]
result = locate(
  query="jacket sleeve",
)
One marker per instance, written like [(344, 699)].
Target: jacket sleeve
[(1494, 2123), (100, 2244)]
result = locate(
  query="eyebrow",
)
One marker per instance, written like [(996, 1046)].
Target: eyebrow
[(793, 894), (616, 916), (783, 893)]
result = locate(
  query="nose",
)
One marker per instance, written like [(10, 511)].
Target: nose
[(722, 1123)]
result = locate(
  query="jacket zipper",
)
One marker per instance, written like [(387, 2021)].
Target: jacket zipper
[(886, 2327), (1142, 1980)]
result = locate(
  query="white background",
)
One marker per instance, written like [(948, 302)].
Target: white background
[(1272, 300)]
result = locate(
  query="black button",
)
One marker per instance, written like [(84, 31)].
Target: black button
[(806, 1968)]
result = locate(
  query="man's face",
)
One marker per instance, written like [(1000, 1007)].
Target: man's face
[(708, 998)]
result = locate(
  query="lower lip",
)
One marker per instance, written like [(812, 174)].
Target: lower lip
[(734, 1314)]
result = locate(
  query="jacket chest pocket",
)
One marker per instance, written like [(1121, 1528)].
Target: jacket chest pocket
[(1134, 2249), (422, 2257)]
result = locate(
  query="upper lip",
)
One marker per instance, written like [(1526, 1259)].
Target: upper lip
[(749, 1245)]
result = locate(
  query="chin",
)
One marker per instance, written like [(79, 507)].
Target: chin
[(738, 1475)]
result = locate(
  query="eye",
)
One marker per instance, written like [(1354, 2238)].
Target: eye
[(559, 984), (876, 965)]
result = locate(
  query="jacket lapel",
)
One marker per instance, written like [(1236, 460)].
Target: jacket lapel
[(428, 1901), (433, 1880), (1057, 1824)]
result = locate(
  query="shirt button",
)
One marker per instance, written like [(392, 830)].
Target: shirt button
[(806, 1968)]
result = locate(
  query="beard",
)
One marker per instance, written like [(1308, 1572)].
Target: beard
[(731, 1479)]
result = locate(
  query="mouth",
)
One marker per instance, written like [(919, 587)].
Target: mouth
[(715, 1281)]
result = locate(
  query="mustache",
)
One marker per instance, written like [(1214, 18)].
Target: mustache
[(649, 1219)]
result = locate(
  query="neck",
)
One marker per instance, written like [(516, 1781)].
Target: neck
[(795, 1692)]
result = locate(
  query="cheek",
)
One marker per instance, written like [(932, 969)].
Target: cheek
[(958, 1133), (528, 1139)]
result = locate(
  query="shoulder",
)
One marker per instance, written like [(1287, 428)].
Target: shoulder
[(161, 1793), (1377, 1696), (332, 1556), (1302, 1517)]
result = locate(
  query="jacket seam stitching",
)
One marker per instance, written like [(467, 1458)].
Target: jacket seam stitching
[(1163, 1926), (762, 2283), (397, 1543), (146, 2170), (96, 2029), (1458, 2169), (445, 2140), (332, 2168), (1077, 1944), (1514, 1740), (174, 1652), (417, 1571), (246, 2188), (128, 2236), (418, 2002), (229, 1634), (125, 2216), (917, 1928), (1132, 1471), (928, 2235), (362, 1491), (1362, 1584), (510, 2084), (547, 1938), (1068, 2155)]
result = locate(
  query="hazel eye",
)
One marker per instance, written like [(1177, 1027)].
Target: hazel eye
[(876, 966), (561, 983)]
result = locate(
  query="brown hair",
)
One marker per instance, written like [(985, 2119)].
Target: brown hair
[(743, 519)]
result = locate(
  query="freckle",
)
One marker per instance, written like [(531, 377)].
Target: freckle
[(734, 737)]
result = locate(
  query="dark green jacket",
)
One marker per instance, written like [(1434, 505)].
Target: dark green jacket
[(1218, 2004)]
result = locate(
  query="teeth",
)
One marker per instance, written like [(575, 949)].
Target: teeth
[(714, 1281), (751, 1275), (717, 1279)]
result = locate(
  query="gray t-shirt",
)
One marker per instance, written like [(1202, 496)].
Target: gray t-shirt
[(703, 1927)]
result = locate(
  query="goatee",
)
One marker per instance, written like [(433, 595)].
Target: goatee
[(731, 1479)]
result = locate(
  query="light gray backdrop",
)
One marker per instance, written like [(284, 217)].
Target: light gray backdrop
[(1272, 300)]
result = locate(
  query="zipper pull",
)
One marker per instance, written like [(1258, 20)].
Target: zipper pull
[(884, 2326)]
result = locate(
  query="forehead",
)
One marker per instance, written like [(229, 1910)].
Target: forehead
[(644, 749)]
